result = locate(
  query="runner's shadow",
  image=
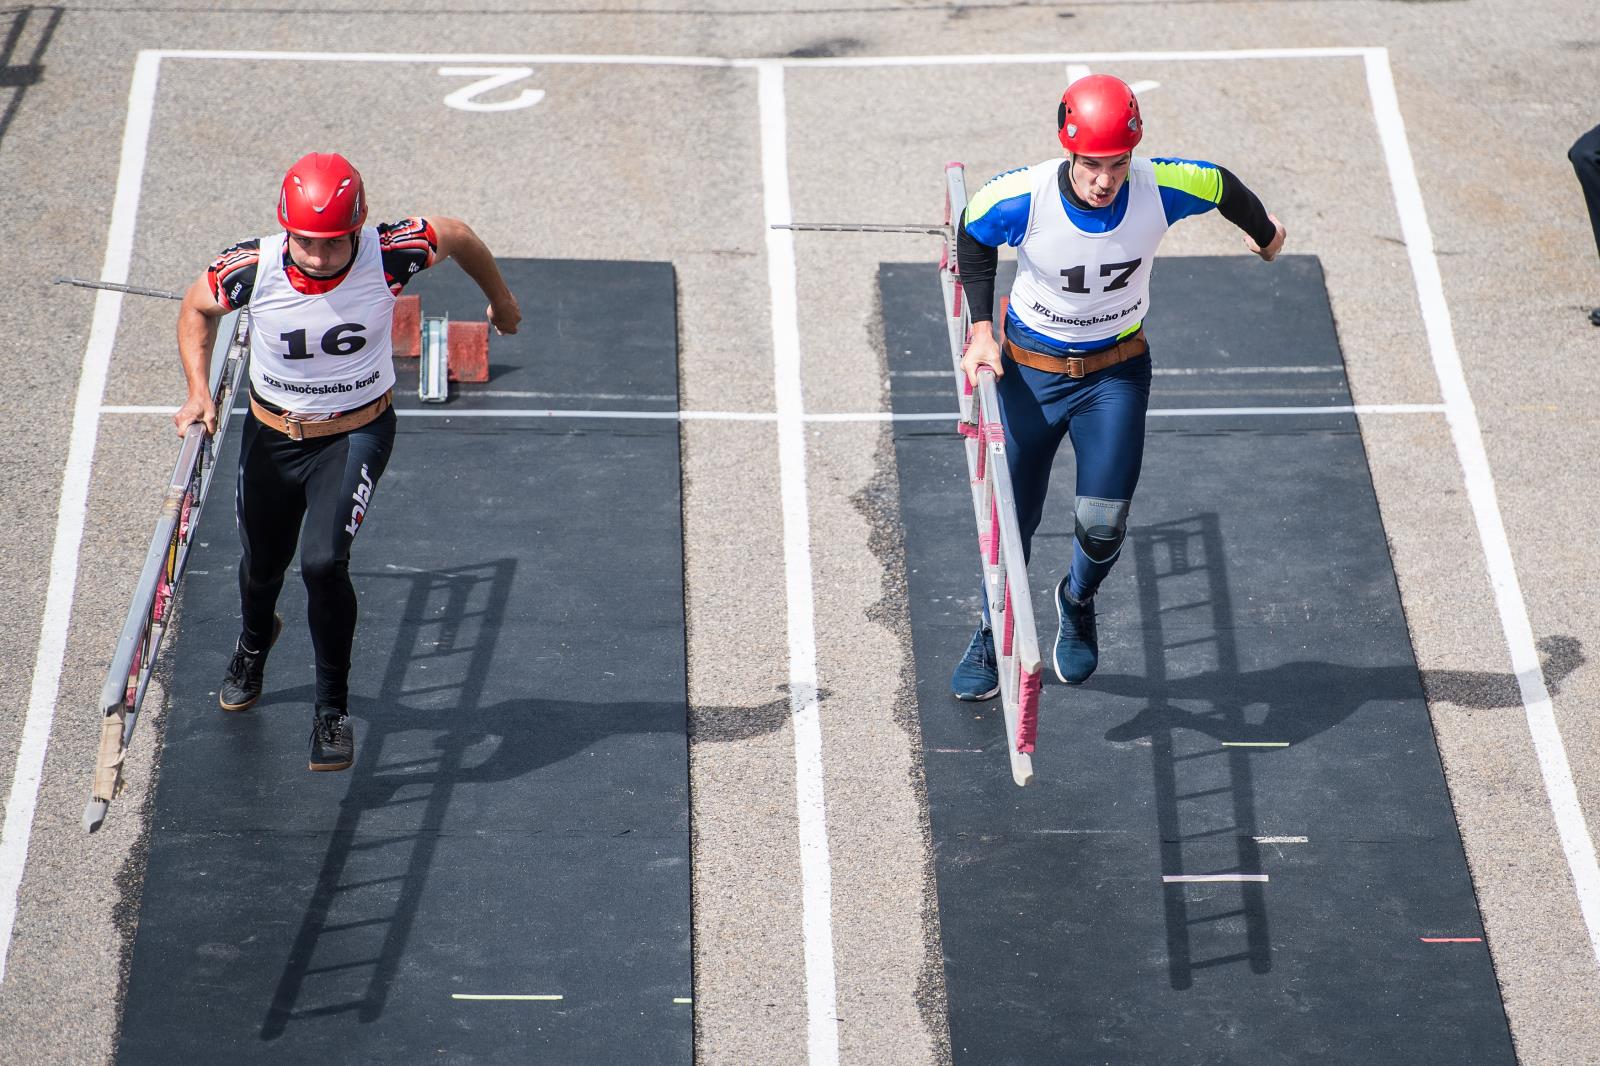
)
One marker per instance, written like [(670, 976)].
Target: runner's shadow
[(1305, 698)]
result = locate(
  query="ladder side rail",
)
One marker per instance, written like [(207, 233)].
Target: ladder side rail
[(994, 507), (150, 609)]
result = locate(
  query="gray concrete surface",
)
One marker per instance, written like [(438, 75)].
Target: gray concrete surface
[(649, 163)]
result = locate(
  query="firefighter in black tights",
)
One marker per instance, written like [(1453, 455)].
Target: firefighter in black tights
[(321, 295)]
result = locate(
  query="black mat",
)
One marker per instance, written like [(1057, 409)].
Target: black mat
[(516, 822), (1254, 603)]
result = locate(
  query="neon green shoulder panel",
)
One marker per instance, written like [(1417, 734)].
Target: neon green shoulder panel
[(1197, 179), (1011, 184)]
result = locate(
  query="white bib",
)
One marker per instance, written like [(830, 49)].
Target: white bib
[(327, 353), (1077, 287)]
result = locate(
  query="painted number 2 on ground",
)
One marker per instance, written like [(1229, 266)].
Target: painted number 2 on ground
[(489, 79)]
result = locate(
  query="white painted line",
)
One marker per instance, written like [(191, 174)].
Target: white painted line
[(522, 394), (550, 59), (545, 412), (493, 998), (1206, 879), (1468, 437), (683, 999), (822, 1029), (1255, 743), (254, 55), (1164, 412), (1168, 371), (844, 416), (70, 512), (1333, 409), (1187, 371), (502, 412), (1281, 840), (1052, 58)]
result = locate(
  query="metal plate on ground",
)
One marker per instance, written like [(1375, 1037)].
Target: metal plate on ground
[(504, 873), (1238, 846)]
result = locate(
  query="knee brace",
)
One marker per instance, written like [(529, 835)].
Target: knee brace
[(1100, 526)]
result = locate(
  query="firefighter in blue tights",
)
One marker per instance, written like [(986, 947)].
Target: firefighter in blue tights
[(1585, 156), (1074, 361)]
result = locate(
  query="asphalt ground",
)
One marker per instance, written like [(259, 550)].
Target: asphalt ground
[(650, 163)]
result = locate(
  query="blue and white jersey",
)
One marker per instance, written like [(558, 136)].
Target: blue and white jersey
[(1083, 276)]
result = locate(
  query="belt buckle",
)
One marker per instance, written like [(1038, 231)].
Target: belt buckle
[(293, 428), (1074, 366)]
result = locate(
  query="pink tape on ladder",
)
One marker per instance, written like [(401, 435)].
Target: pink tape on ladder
[(967, 429), (955, 311), (994, 433), (994, 533), (1011, 628), (1028, 711), (983, 543)]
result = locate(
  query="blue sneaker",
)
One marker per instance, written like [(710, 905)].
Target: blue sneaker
[(1077, 642), (977, 675)]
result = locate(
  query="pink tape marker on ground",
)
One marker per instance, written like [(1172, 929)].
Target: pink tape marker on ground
[(1451, 939), (1028, 710)]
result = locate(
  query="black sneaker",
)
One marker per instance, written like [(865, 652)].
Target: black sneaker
[(333, 740), (241, 686)]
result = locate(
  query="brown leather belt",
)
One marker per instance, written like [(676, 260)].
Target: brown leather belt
[(299, 429), (1076, 366)]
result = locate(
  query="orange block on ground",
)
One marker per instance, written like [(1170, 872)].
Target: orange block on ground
[(407, 331), (469, 351)]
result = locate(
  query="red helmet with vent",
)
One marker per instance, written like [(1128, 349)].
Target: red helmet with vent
[(1099, 116), (322, 197)]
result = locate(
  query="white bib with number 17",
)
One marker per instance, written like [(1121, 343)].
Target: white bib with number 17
[(1077, 287)]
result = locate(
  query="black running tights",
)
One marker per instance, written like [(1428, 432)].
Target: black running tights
[(315, 492)]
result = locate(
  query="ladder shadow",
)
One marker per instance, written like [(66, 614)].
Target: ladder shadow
[(1205, 795), (1204, 790), (18, 77), (353, 936)]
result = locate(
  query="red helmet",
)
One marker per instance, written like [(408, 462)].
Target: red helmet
[(322, 197), (1099, 116)]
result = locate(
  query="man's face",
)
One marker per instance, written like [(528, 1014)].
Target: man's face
[(1098, 179), (321, 255)]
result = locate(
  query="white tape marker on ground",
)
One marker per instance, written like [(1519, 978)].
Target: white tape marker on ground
[(70, 512), (822, 1030), (1468, 437)]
